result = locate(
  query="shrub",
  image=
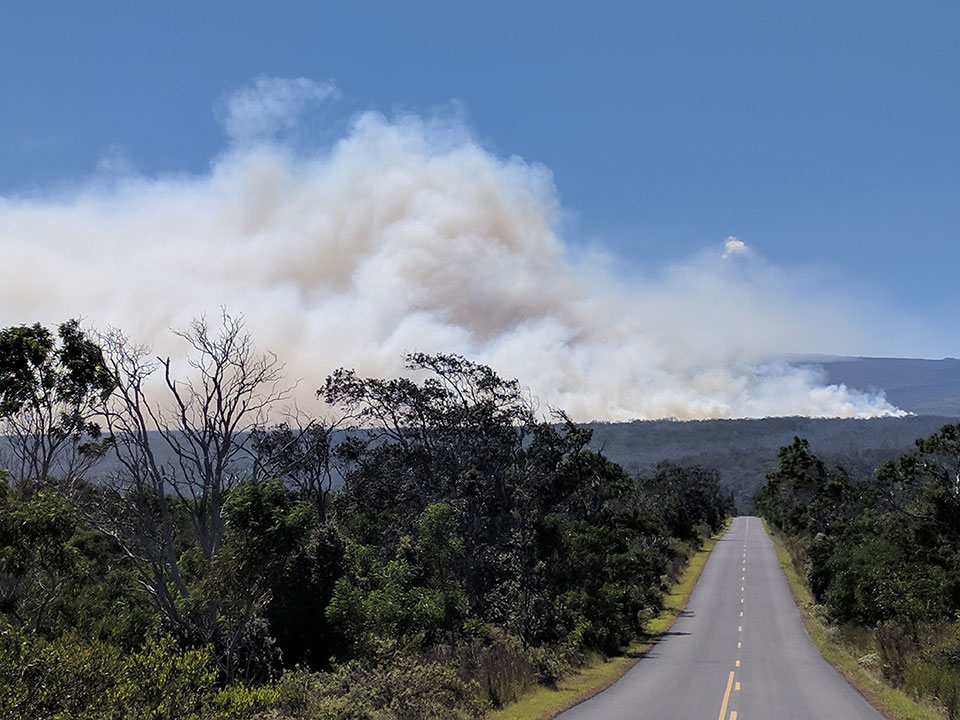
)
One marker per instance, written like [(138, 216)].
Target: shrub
[(923, 678), (74, 678), (896, 646), (401, 688), (63, 679), (497, 662)]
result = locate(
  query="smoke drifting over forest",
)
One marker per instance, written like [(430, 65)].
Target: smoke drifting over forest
[(403, 235)]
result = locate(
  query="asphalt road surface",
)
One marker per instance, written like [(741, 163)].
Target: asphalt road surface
[(738, 652)]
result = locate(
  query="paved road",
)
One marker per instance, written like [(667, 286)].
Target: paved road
[(738, 652)]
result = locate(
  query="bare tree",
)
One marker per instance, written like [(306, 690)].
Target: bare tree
[(179, 458)]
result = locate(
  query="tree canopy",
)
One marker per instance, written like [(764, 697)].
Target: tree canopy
[(473, 548)]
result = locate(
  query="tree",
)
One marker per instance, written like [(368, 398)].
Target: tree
[(457, 437), (300, 455), (887, 550), (803, 496), (925, 484), (50, 390), (168, 515), (687, 497), (37, 560), (265, 525)]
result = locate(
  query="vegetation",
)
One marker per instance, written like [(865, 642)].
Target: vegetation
[(882, 556), (744, 451), (474, 550)]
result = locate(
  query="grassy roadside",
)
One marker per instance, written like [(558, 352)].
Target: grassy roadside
[(845, 656), (542, 703)]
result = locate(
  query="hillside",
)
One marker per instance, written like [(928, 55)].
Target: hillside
[(924, 387)]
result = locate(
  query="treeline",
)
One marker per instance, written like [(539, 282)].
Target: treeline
[(473, 550), (882, 556)]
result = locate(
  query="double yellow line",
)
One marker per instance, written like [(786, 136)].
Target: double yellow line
[(726, 701)]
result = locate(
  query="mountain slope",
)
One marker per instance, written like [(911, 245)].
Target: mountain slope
[(924, 387)]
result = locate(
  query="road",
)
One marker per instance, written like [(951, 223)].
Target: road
[(738, 652)]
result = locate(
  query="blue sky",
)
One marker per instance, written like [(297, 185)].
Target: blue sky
[(817, 132), (823, 135)]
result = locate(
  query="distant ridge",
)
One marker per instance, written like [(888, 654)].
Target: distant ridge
[(924, 387)]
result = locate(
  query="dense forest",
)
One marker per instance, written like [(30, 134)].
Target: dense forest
[(882, 556), (472, 550), (743, 451)]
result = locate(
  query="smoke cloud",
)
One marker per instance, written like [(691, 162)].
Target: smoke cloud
[(407, 235)]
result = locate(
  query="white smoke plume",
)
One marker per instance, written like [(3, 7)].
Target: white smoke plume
[(407, 235)]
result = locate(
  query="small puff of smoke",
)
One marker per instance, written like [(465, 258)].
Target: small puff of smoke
[(733, 246)]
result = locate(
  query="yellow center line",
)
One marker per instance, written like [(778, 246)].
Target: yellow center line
[(736, 686), (726, 697), (737, 664), (739, 645), (733, 715)]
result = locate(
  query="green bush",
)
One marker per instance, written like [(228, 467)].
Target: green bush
[(64, 679), (71, 678), (399, 689)]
